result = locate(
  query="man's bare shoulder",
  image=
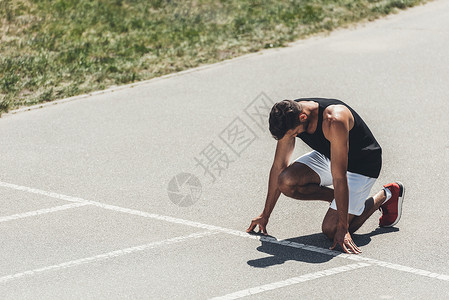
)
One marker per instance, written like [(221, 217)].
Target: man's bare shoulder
[(337, 114)]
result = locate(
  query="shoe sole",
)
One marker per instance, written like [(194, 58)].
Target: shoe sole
[(400, 200)]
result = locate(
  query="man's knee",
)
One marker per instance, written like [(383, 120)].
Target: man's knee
[(285, 182), (289, 183), (329, 227), (329, 231), (294, 180)]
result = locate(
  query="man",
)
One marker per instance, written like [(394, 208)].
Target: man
[(346, 155)]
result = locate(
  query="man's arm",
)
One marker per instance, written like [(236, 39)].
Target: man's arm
[(336, 129), (339, 138), (284, 150)]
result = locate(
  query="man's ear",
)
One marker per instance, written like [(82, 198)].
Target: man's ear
[(303, 117)]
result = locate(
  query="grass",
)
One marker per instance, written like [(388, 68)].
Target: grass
[(52, 49)]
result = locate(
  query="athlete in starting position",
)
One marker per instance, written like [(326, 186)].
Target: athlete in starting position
[(346, 155)]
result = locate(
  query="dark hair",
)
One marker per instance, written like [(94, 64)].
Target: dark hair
[(284, 116)]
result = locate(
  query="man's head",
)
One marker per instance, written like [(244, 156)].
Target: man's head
[(287, 115)]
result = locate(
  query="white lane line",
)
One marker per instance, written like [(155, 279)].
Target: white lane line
[(290, 281), (124, 210), (357, 258), (40, 192), (408, 269), (105, 256), (380, 263), (41, 212)]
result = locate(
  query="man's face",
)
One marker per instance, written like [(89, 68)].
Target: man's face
[(303, 126)]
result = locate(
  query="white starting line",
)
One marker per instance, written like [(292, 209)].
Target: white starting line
[(290, 281), (359, 258), (105, 256), (41, 211)]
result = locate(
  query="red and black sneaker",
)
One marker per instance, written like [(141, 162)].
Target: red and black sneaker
[(392, 209)]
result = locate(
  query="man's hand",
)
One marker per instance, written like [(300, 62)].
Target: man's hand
[(262, 221), (343, 238)]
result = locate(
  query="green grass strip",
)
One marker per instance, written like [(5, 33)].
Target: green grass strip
[(53, 49)]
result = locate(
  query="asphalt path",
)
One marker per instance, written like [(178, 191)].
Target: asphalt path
[(145, 191)]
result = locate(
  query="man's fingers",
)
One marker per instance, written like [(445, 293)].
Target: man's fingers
[(251, 227), (343, 246), (264, 229), (355, 247), (347, 247)]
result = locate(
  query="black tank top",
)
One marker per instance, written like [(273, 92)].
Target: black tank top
[(365, 153)]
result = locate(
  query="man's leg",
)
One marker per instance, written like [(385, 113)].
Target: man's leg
[(299, 181), (329, 226), (372, 204), (391, 208), (307, 177), (359, 210)]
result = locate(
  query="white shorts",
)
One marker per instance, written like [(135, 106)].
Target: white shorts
[(359, 185)]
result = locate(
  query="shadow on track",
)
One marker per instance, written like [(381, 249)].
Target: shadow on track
[(280, 254)]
